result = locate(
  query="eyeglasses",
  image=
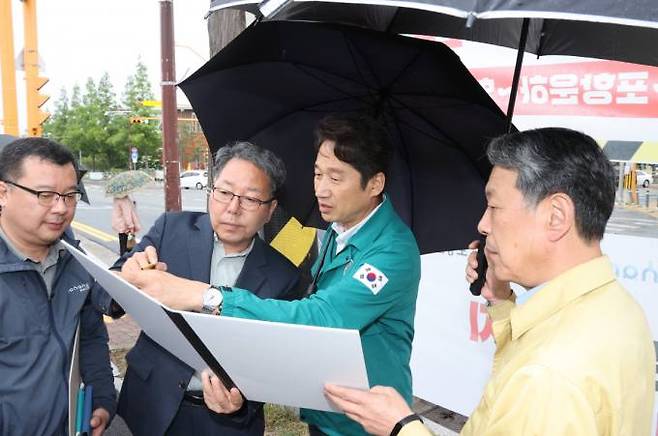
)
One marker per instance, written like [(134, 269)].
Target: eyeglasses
[(50, 198), (246, 203)]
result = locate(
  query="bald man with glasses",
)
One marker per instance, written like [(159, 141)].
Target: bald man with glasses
[(45, 296), (160, 394)]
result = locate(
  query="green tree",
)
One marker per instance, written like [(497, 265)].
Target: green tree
[(145, 136), (58, 123), (94, 125)]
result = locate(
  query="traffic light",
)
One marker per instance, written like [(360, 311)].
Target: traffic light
[(138, 120), (35, 100)]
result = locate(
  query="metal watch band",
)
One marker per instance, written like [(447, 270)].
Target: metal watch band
[(213, 310)]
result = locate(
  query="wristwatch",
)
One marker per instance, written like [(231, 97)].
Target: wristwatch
[(212, 301)]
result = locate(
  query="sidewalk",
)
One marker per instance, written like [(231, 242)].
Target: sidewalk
[(124, 332)]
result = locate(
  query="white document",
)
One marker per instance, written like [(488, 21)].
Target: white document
[(270, 362), (283, 363)]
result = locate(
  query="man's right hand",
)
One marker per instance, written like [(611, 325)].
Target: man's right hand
[(493, 290), (143, 260), (144, 271)]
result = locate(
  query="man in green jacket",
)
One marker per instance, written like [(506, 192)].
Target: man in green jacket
[(365, 278)]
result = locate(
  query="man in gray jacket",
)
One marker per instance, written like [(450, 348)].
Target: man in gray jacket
[(45, 295)]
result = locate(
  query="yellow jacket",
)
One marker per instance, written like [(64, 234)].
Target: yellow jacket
[(576, 359)]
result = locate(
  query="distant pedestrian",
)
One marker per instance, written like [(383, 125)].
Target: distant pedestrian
[(125, 222)]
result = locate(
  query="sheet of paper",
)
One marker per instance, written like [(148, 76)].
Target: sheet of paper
[(270, 362), (146, 311), (283, 363)]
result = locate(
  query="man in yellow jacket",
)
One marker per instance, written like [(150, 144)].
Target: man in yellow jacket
[(574, 353)]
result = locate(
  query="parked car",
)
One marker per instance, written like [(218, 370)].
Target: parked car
[(194, 179), (644, 179)]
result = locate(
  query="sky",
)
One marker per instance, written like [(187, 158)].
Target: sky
[(85, 38)]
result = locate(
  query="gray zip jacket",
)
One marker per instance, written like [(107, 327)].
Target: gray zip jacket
[(36, 345)]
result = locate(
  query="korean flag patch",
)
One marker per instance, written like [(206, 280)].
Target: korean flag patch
[(371, 277)]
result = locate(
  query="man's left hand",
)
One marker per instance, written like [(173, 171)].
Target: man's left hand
[(99, 420), (377, 410), (217, 397)]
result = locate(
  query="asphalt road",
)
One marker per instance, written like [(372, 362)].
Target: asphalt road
[(94, 219)]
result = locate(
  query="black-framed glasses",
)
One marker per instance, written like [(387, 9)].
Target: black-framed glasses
[(246, 202), (50, 198)]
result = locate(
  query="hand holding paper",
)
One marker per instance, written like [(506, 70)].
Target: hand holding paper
[(377, 410), (217, 397)]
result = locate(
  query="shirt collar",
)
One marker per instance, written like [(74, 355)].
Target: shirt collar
[(559, 292), (522, 298), (343, 236), (219, 245)]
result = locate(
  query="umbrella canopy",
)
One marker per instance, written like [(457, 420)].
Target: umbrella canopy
[(277, 79), (606, 29), (6, 139), (126, 182)]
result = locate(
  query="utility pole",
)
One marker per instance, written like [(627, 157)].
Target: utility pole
[(33, 82), (223, 26), (8, 69), (169, 115)]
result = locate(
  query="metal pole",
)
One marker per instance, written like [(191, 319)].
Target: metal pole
[(33, 82), (8, 70), (620, 186), (170, 148), (517, 73)]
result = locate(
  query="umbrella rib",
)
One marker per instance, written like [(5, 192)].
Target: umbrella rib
[(404, 148), (382, 96), (452, 142), (306, 69), (353, 50)]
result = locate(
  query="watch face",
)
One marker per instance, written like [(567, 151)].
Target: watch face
[(212, 297)]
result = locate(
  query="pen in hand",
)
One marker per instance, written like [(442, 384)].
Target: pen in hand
[(147, 266)]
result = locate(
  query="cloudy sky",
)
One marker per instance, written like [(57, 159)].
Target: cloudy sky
[(85, 38)]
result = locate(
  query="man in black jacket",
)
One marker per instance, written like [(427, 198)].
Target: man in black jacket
[(161, 394)]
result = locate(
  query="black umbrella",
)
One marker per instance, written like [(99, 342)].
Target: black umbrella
[(6, 139), (607, 29), (277, 79)]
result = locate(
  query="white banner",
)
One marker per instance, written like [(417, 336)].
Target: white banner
[(453, 346)]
